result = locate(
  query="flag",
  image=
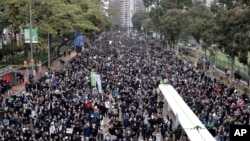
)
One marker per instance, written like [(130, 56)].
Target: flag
[(93, 79), (54, 83), (78, 39), (99, 84)]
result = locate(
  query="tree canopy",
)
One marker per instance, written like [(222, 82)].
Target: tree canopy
[(225, 23), (56, 17), (138, 19)]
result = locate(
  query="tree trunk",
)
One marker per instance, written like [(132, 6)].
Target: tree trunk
[(177, 49), (204, 60), (197, 52), (248, 71), (173, 48), (212, 63), (232, 65), (167, 44)]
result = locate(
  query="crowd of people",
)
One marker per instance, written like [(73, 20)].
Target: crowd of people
[(63, 105)]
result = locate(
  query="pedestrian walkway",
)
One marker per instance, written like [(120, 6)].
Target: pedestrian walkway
[(241, 85), (55, 65)]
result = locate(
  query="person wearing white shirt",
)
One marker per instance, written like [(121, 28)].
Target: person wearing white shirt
[(52, 129), (158, 136), (146, 118)]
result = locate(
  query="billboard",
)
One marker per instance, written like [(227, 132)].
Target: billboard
[(34, 33)]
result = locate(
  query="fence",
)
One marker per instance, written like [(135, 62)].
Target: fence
[(222, 64), (8, 69)]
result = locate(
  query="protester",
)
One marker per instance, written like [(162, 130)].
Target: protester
[(64, 105)]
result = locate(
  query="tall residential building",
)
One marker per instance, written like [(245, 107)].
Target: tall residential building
[(139, 6), (205, 2), (126, 13), (209, 2), (105, 7), (126, 10), (115, 7)]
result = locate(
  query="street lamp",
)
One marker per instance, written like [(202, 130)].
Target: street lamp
[(30, 28), (48, 51), (31, 45)]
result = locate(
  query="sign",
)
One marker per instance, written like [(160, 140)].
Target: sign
[(69, 130), (34, 34), (6, 78), (99, 83), (25, 63), (239, 132), (93, 79)]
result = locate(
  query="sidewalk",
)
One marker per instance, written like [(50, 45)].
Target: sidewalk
[(218, 72), (54, 66)]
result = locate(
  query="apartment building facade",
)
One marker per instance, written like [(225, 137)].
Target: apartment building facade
[(125, 9)]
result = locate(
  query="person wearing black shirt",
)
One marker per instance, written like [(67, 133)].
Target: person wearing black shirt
[(160, 105), (92, 138), (112, 130)]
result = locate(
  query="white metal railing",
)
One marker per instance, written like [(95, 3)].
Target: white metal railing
[(7, 69)]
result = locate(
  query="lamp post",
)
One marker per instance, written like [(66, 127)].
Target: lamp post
[(48, 51), (31, 45), (30, 28)]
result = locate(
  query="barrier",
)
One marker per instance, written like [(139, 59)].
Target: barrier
[(7, 70), (193, 127)]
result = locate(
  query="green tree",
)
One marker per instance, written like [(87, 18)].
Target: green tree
[(230, 33), (174, 25), (198, 16), (244, 39), (168, 4), (159, 7), (2, 22), (59, 18), (138, 18), (202, 27), (147, 24)]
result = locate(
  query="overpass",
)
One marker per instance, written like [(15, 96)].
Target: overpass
[(190, 123)]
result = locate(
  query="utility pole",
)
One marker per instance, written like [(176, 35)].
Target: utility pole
[(48, 51), (31, 47)]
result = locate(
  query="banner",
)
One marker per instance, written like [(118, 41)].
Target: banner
[(93, 79), (69, 130), (99, 83), (34, 34), (78, 39)]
